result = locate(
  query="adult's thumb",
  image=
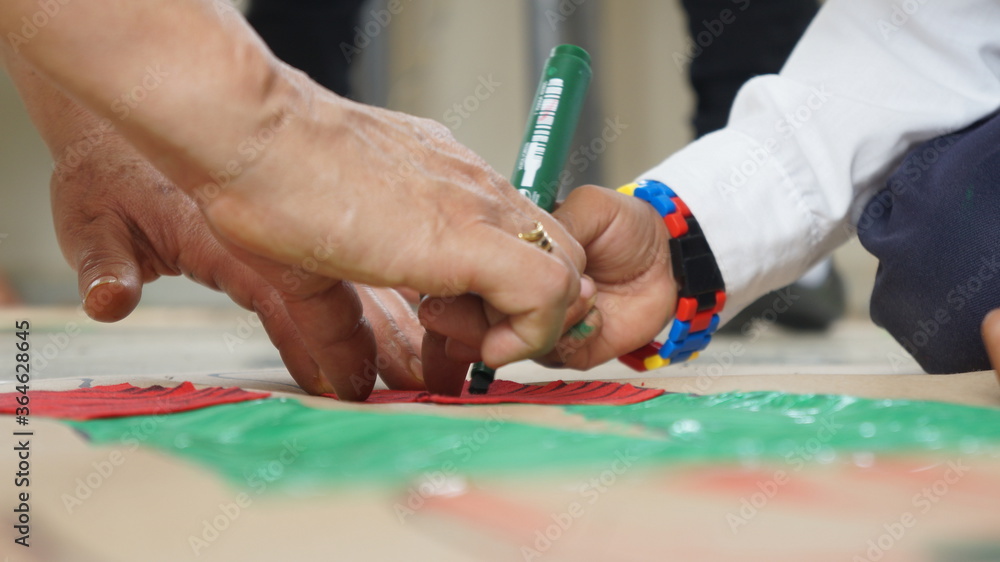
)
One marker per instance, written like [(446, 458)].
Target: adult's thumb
[(108, 274)]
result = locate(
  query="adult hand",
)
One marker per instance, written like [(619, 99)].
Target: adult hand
[(627, 251), (121, 224), (395, 201), (289, 175)]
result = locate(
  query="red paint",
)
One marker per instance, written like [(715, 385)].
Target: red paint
[(124, 399), (558, 392)]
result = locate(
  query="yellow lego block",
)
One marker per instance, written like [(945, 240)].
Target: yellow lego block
[(628, 189), (655, 362)]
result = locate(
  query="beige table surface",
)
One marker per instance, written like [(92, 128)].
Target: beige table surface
[(152, 505)]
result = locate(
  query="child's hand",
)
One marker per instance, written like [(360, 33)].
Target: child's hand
[(628, 257)]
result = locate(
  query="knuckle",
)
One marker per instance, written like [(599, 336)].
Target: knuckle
[(563, 281), (435, 130)]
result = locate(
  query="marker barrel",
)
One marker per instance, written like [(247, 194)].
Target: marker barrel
[(545, 147), (552, 121)]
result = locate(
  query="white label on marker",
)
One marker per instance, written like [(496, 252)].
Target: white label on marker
[(543, 128)]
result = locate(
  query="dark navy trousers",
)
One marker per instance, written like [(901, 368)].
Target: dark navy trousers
[(935, 230)]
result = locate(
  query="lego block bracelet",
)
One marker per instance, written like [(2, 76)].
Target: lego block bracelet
[(701, 291)]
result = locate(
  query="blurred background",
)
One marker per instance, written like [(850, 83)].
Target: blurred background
[(471, 64)]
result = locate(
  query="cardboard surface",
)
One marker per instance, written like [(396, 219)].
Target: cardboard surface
[(100, 503)]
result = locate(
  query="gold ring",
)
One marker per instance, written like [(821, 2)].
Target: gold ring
[(538, 237)]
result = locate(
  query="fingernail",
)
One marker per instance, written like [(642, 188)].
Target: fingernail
[(588, 289), (417, 369), (97, 282)]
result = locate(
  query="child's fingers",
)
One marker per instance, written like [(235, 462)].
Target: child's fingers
[(574, 340), (587, 212), (466, 319)]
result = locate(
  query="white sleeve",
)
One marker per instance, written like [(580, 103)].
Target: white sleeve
[(783, 184)]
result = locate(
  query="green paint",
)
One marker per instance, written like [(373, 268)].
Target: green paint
[(967, 204), (582, 329), (969, 552), (282, 443), (749, 425)]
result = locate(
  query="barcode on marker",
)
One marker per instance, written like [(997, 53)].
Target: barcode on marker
[(543, 128)]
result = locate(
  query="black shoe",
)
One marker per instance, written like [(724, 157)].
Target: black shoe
[(797, 306)]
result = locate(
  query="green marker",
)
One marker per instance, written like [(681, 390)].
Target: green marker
[(546, 144)]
